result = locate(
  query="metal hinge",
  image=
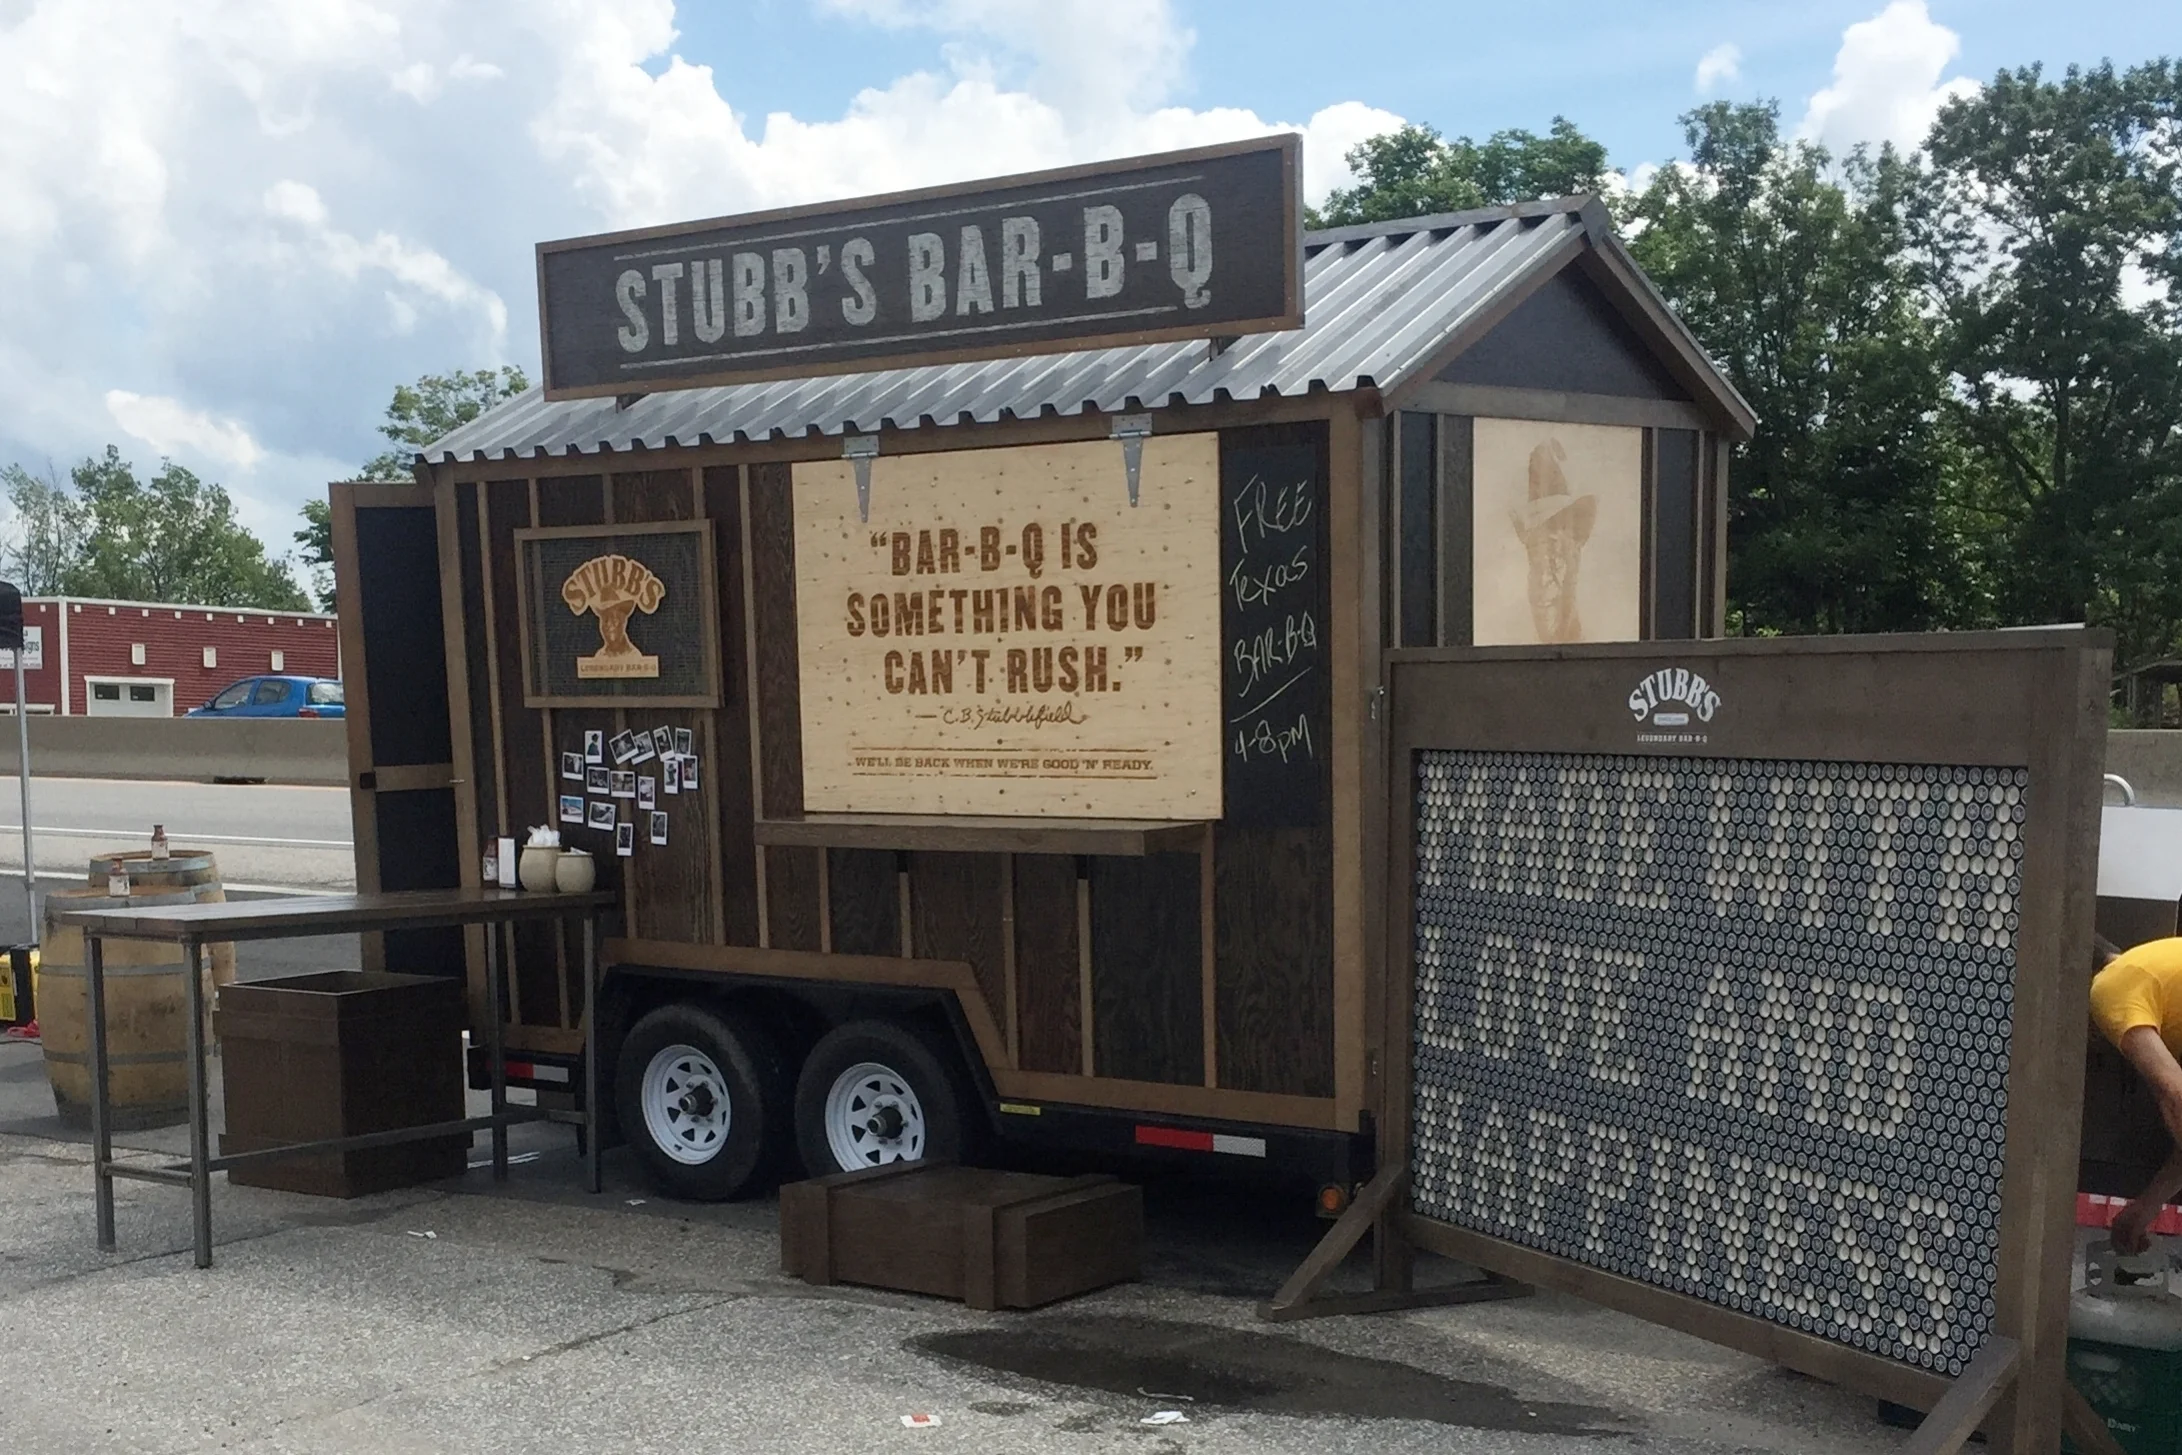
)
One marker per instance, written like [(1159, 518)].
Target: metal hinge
[(1377, 695), (1132, 430), (860, 450)]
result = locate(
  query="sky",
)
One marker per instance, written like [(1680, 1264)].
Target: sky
[(229, 228)]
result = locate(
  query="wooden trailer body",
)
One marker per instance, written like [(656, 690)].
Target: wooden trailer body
[(1192, 983)]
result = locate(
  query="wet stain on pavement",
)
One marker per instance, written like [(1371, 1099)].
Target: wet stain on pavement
[(1237, 1369)]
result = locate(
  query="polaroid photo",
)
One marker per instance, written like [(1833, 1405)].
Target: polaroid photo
[(684, 742), (572, 808), (659, 827), (643, 751), (624, 785), (572, 767), (625, 840), (594, 745), (689, 775), (663, 740), (624, 746), (598, 780), (671, 774), (647, 792), (602, 815)]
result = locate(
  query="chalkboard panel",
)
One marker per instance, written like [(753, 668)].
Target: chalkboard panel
[(1276, 648)]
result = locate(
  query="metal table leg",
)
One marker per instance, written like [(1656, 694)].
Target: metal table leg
[(102, 1137), (495, 1058), (591, 1119), (200, 1176)]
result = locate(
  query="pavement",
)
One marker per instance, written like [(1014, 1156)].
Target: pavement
[(532, 1316)]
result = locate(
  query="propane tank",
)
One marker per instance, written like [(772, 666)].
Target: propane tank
[(2125, 1343)]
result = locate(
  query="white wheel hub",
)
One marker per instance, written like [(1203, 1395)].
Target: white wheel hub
[(873, 1117), (687, 1109)]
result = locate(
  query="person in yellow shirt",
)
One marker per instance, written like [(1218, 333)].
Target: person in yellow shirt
[(2136, 1002)]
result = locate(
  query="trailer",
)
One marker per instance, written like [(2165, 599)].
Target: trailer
[(994, 747)]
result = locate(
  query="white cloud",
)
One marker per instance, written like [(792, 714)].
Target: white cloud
[(1887, 82), (229, 228), (1724, 62), (173, 428)]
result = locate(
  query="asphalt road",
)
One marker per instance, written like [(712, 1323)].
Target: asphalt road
[(266, 839), (263, 834)]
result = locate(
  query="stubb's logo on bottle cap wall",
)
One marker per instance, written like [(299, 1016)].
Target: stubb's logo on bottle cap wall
[(1672, 705)]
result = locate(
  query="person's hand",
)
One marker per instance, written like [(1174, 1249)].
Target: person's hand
[(2133, 1226)]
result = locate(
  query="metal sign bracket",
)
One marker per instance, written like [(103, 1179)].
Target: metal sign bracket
[(860, 450), (1132, 430)]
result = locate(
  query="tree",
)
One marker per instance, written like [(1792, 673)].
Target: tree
[(2044, 197), (1796, 274), (45, 529), (171, 538), (315, 548), (434, 406), (1412, 172)]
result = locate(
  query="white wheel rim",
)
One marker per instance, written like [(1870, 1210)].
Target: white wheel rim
[(687, 1108), (873, 1117)]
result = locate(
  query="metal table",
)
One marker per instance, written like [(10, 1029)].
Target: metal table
[(193, 926)]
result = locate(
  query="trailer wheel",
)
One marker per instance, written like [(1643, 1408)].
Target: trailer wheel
[(701, 1095), (873, 1092)]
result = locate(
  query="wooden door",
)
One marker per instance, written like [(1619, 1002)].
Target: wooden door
[(401, 739)]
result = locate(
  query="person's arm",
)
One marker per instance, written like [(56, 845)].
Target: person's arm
[(2163, 1074)]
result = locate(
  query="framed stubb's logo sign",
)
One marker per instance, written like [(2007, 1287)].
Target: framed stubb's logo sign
[(618, 614)]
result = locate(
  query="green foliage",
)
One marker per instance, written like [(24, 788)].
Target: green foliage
[(436, 405), (2042, 197), (108, 533), (1796, 273), (44, 528), (1413, 173), (315, 548)]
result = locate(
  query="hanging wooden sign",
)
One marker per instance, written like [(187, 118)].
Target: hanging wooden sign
[(1008, 635), (1191, 244), (618, 615)]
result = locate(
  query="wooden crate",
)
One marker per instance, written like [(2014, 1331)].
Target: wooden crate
[(337, 1054), (992, 1239)]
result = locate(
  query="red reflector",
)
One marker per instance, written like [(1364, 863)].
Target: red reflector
[(306, 712), (1174, 1137), (521, 1068)]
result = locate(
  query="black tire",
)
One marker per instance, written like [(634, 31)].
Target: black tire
[(749, 1069), (929, 1074)]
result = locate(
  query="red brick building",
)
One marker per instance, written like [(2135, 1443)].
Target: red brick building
[(156, 659)]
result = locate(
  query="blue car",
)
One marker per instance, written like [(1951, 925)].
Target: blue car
[(276, 697)]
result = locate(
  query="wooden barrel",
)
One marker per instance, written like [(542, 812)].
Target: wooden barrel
[(147, 1017), (195, 870)]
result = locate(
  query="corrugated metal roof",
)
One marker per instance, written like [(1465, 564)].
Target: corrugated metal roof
[(1379, 303)]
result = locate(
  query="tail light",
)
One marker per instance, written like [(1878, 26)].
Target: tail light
[(306, 712)]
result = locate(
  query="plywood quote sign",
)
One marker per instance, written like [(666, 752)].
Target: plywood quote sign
[(1007, 635)]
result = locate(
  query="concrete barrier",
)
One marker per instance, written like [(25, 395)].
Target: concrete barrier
[(2151, 761), (193, 749)]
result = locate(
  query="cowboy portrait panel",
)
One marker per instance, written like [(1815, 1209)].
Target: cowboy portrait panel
[(1558, 545)]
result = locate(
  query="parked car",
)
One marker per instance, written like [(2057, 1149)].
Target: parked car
[(276, 697)]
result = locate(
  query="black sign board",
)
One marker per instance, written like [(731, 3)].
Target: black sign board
[(1275, 657), (1192, 244)]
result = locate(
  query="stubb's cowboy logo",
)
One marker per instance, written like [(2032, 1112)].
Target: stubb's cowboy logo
[(1553, 527), (614, 588)]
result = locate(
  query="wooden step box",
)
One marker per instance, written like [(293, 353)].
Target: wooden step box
[(991, 1239)]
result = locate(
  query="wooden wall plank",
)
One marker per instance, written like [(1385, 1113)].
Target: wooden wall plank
[(477, 651), (648, 495), (729, 767), (1049, 1001), (863, 901), (533, 966), (792, 904), (575, 500), (1273, 933), (1146, 968), (956, 907)]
